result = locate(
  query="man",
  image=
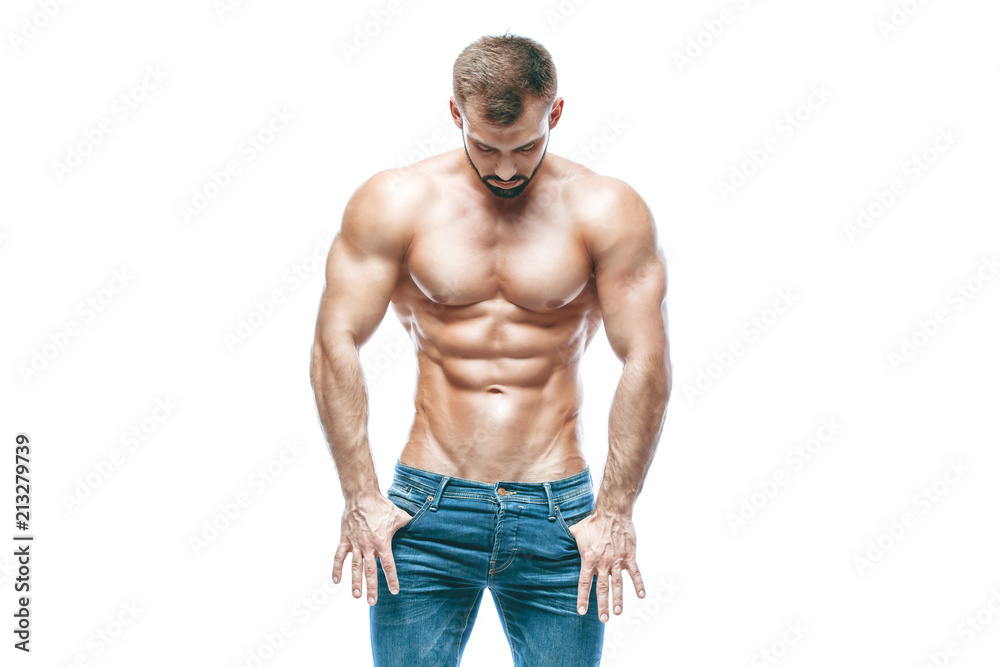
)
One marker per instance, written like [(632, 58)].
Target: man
[(502, 265)]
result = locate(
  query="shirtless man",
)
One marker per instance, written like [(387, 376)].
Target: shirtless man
[(501, 261)]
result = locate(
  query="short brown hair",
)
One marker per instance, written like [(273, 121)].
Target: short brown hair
[(495, 74)]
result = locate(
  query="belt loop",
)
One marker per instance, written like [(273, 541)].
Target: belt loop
[(552, 503), (437, 496)]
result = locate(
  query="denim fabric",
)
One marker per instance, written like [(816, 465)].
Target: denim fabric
[(466, 536)]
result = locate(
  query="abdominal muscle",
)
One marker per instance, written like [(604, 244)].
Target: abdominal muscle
[(498, 394)]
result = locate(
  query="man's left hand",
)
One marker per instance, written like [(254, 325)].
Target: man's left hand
[(607, 546)]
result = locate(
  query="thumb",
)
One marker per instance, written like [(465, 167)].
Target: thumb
[(402, 518)]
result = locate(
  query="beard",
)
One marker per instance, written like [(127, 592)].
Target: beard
[(506, 193)]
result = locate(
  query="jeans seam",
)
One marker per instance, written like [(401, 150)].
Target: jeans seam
[(564, 525), (566, 499), (472, 496), (465, 625), (410, 486), (422, 510), (406, 501), (510, 560), (506, 628), (420, 487)]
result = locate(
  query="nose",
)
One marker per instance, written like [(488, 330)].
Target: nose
[(506, 169)]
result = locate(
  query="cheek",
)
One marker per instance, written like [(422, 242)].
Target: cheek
[(478, 162), (528, 164), (486, 166)]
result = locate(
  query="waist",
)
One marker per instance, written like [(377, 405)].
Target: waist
[(432, 482)]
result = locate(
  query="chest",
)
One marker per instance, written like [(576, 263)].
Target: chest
[(461, 257)]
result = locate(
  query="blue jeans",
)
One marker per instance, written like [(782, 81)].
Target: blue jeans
[(465, 536)]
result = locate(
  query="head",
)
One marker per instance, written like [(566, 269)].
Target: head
[(505, 104)]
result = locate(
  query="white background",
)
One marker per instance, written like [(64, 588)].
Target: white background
[(682, 129)]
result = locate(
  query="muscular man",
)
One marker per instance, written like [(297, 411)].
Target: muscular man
[(501, 261)]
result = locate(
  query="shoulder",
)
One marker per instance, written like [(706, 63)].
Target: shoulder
[(610, 213), (607, 195), (381, 213), (393, 195), (594, 199)]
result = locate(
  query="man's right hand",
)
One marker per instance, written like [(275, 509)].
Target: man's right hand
[(366, 531)]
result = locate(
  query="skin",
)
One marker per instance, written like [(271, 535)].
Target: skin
[(501, 293)]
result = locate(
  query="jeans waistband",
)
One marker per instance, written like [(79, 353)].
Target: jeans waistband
[(550, 492)]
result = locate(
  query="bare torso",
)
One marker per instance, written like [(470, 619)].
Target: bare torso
[(500, 306)]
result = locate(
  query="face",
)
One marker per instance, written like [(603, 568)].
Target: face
[(507, 158)]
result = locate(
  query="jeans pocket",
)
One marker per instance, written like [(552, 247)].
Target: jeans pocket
[(414, 502), (574, 511)]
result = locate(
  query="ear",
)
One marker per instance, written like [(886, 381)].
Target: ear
[(456, 113), (556, 113)]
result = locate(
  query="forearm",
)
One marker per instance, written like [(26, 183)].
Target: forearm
[(342, 402), (634, 426)]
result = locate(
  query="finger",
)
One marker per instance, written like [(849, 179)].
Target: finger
[(633, 571), (389, 567), (583, 590), (371, 577), (338, 560), (602, 596), (356, 573), (616, 590)]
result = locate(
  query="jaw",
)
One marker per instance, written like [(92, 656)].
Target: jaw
[(501, 196)]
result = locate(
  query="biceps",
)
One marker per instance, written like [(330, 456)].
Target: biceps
[(357, 293), (633, 304)]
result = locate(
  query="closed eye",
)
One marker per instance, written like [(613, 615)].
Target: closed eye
[(519, 150)]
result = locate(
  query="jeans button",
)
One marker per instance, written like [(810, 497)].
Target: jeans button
[(502, 491)]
